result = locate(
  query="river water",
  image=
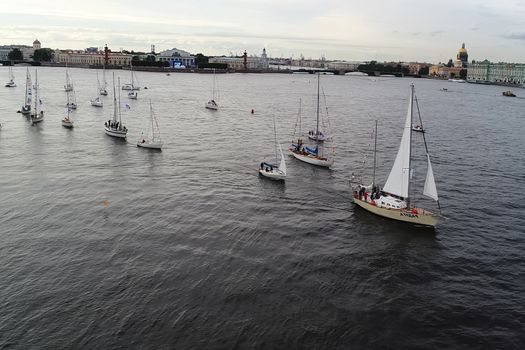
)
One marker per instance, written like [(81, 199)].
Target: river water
[(106, 245)]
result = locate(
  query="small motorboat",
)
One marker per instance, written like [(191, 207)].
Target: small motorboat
[(97, 102), (508, 93)]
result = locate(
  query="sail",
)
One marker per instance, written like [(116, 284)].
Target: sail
[(399, 178), (282, 164), (28, 89), (430, 189)]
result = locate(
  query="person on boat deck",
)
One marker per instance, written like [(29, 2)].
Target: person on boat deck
[(262, 166)]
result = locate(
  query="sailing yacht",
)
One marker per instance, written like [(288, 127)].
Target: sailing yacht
[(102, 89), (131, 86), (70, 91), (273, 170), (152, 140), (38, 114), (114, 127), (26, 108), (11, 82), (69, 84), (67, 122), (319, 154), (212, 104), (393, 200), (97, 102)]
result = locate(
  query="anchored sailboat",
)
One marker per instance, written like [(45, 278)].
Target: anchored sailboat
[(273, 170), (38, 114), (212, 104), (26, 108), (114, 127), (67, 122), (131, 86), (393, 201), (70, 91), (102, 89), (152, 140), (97, 101), (319, 154), (11, 82)]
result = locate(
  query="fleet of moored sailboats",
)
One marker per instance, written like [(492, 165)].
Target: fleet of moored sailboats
[(394, 200)]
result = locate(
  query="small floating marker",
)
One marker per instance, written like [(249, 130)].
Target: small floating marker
[(253, 111), (105, 203)]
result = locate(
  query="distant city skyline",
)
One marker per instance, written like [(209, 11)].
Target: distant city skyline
[(411, 30)]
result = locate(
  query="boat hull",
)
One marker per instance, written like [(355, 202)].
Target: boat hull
[(115, 132), (150, 145), (97, 104), (10, 85), (67, 123), (211, 106), (36, 120), (310, 159), (25, 111), (421, 217), (274, 175)]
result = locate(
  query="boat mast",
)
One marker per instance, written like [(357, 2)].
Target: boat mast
[(36, 93), (119, 113), (410, 142), (27, 78), (317, 125), (151, 115), (275, 138), (114, 100), (375, 151)]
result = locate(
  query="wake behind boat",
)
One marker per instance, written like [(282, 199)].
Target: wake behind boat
[(393, 200)]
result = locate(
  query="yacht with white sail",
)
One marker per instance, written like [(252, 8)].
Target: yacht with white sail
[(274, 170), (212, 103), (11, 82), (37, 114), (395, 199), (26, 108), (114, 126), (151, 139)]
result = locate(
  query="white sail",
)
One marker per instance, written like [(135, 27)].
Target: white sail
[(430, 189), (282, 164), (28, 89), (399, 178)]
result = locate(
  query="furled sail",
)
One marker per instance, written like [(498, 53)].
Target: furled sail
[(399, 177), (430, 189)]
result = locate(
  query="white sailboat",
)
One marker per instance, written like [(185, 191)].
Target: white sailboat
[(131, 86), (393, 201), (67, 122), (37, 114), (320, 154), (212, 103), (114, 127), (69, 83), (11, 82), (97, 101), (26, 108), (70, 91), (274, 171), (102, 89), (151, 140)]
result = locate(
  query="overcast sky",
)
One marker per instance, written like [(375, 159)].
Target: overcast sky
[(406, 30)]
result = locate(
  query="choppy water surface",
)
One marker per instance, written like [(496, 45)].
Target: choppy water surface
[(105, 245)]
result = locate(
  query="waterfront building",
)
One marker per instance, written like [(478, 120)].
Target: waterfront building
[(177, 58), (343, 65), (415, 67), (461, 58), (86, 58), (27, 51), (496, 73), (252, 62)]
